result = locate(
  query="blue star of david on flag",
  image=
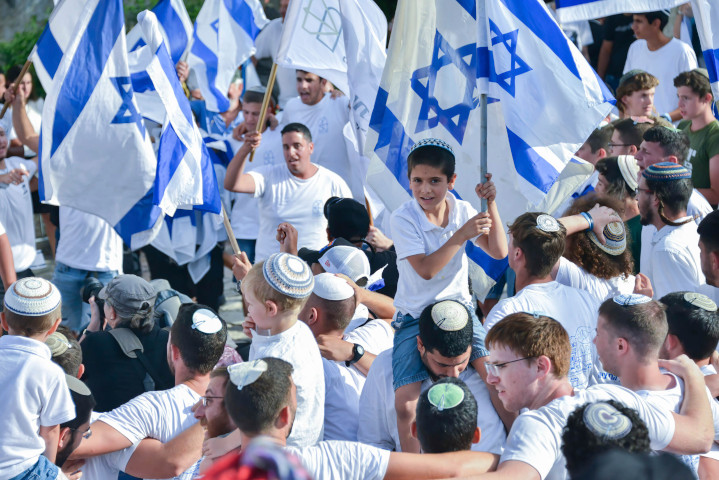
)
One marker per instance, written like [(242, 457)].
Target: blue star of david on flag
[(127, 113), (424, 83), (216, 25), (517, 66)]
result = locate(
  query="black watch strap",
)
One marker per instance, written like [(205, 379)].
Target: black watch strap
[(357, 353)]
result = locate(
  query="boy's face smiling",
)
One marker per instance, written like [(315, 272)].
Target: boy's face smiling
[(429, 186)]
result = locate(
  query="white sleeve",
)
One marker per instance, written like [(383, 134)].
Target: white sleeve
[(407, 238), (629, 62), (532, 441), (671, 273), (58, 406), (373, 429), (345, 460), (259, 176), (688, 60), (135, 420), (498, 312), (570, 274), (660, 421)]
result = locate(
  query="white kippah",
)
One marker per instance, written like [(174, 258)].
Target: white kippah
[(450, 316), (246, 373), (32, 297), (332, 287), (547, 223), (205, 321)]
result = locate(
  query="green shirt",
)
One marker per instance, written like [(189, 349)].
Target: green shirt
[(703, 145), (633, 226)]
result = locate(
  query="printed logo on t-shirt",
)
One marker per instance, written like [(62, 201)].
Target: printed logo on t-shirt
[(269, 157), (580, 364), (317, 207), (323, 126), (690, 156)]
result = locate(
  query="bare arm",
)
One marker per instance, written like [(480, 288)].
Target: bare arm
[(235, 179), (712, 193), (495, 242), (154, 459), (509, 470), (443, 465), (20, 121), (605, 53), (104, 439), (51, 435), (7, 265), (427, 266)]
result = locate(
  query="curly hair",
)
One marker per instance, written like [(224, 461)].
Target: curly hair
[(580, 445), (634, 83), (581, 251)]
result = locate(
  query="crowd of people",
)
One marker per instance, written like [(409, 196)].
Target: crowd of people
[(371, 356)]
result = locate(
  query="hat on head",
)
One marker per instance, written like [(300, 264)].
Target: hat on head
[(547, 223), (606, 422), (246, 373), (128, 295), (57, 343), (313, 256), (350, 261), (700, 301), (332, 287), (703, 72), (449, 315), (616, 238), (431, 142), (32, 297), (289, 275), (445, 396), (630, 74), (630, 299), (77, 386), (629, 169), (666, 172), (346, 218)]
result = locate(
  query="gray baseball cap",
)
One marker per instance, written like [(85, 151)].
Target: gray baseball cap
[(128, 294)]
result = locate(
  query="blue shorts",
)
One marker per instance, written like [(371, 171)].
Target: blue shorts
[(407, 366), (42, 470)]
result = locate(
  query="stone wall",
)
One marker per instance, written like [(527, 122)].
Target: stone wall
[(15, 15)]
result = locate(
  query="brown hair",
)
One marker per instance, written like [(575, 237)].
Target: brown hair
[(586, 254), (644, 325), (263, 291), (28, 326), (635, 83), (533, 336), (541, 249), (698, 83)]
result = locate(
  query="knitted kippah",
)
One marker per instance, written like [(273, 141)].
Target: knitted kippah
[(547, 223), (666, 172), (57, 343), (289, 275), (630, 299), (449, 315), (630, 74), (615, 236), (629, 169), (32, 297), (607, 422), (432, 142), (700, 301), (445, 396)]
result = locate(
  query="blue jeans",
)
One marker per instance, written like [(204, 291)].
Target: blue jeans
[(247, 246), (407, 366), (68, 280), (42, 470)]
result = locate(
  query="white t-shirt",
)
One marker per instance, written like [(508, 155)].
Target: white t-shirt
[(666, 63), (266, 45), (88, 242), (698, 206), (35, 395), (573, 275), (298, 347), (286, 198), (575, 309), (670, 258), (343, 385), (16, 214), (245, 215), (161, 415), (378, 418), (413, 234), (343, 460), (105, 466), (326, 120), (536, 435)]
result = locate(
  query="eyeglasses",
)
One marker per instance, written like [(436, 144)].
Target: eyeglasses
[(494, 368), (204, 400), (86, 435)]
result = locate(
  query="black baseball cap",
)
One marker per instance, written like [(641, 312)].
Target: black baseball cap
[(346, 218)]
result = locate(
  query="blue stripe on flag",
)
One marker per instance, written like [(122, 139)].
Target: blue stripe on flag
[(174, 28), (711, 57), (141, 82), (242, 14), (138, 44), (169, 68), (87, 66), (573, 3), (537, 19), (142, 216), (201, 50), (492, 267), (470, 6), (169, 156), (49, 51), (530, 165)]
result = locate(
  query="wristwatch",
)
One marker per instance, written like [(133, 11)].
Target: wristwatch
[(357, 353)]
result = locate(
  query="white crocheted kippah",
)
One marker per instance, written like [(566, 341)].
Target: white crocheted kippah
[(32, 297)]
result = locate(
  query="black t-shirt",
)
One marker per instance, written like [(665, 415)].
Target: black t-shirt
[(618, 29), (113, 377), (390, 275)]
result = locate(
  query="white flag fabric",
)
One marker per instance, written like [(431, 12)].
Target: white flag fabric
[(175, 26), (442, 54), (574, 10), (225, 32), (95, 152), (312, 40), (706, 14)]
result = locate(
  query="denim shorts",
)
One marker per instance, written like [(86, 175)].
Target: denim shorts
[(42, 470), (407, 366)]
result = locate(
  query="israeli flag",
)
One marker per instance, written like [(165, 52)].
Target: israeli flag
[(574, 10), (706, 14), (55, 38), (95, 154), (544, 101), (175, 26), (224, 37)]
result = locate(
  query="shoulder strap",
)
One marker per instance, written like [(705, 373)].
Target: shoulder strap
[(132, 347)]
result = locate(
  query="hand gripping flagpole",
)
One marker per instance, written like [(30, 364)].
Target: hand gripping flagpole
[(483, 144), (265, 103), (14, 86)]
